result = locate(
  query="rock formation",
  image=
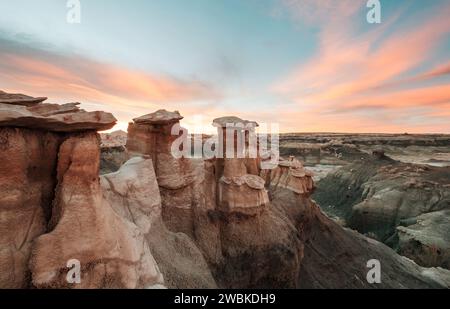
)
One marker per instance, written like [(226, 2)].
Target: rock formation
[(19, 99), (426, 239), (290, 174), (133, 192), (27, 182), (163, 220), (113, 152), (238, 189), (387, 199), (111, 249), (152, 135), (53, 117), (52, 204)]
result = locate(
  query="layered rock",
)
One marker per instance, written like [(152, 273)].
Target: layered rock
[(378, 195), (134, 193), (257, 247), (23, 111), (336, 258), (239, 189), (111, 250), (27, 182), (19, 99), (426, 239), (113, 152), (52, 207), (290, 174), (152, 135)]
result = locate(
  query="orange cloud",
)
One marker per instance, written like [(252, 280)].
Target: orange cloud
[(350, 73)]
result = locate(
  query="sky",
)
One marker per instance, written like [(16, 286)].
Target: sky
[(307, 65)]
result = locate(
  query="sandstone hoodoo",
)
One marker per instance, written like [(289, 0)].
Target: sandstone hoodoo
[(152, 135), (49, 162), (290, 174), (238, 188), (250, 238)]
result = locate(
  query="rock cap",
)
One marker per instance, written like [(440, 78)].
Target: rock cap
[(230, 121), (159, 117), (51, 117), (19, 99)]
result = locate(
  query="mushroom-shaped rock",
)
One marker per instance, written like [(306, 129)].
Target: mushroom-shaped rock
[(59, 119), (18, 110), (159, 117), (19, 99), (290, 174)]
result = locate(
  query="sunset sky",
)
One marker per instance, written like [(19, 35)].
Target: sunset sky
[(309, 65)]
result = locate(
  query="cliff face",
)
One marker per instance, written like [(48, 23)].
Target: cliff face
[(28, 162)]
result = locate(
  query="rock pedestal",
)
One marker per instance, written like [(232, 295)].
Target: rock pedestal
[(239, 189), (151, 135), (290, 174)]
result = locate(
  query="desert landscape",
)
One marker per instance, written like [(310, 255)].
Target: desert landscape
[(213, 152), (137, 217)]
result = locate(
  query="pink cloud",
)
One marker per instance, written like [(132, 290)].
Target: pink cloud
[(349, 70)]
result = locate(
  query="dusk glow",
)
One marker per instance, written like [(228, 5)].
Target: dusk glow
[(311, 66)]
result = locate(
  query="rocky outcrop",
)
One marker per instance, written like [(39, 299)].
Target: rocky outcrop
[(336, 257), (134, 193), (19, 99), (22, 111), (27, 182), (52, 209), (378, 195), (257, 247), (111, 250), (426, 239), (113, 152), (152, 135), (290, 174)]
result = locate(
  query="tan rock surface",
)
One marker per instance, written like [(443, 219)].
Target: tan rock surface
[(84, 226), (24, 111), (134, 193), (27, 181), (19, 99)]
